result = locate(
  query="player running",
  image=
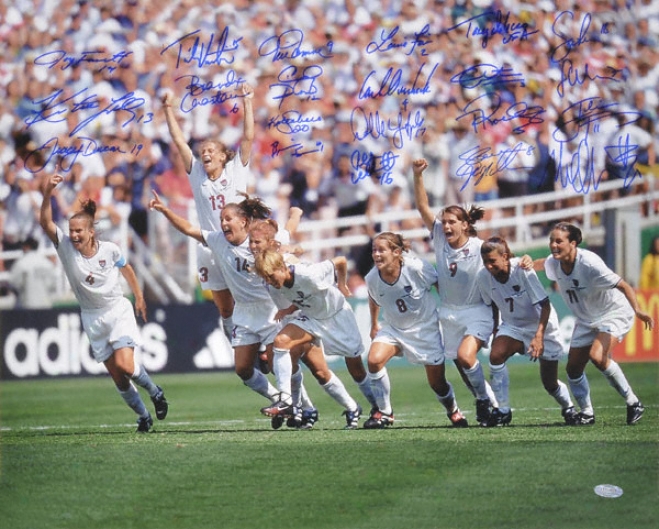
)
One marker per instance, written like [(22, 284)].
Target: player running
[(399, 287)]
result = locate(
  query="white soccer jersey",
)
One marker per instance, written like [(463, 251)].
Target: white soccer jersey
[(589, 290), (94, 280), (210, 196), (457, 269), (406, 302), (237, 266), (314, 291), (518, 299)]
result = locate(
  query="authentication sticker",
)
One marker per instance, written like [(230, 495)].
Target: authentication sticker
[(608, 491)]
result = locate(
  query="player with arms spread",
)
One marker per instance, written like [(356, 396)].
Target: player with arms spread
[(254, 314), (92, 268)]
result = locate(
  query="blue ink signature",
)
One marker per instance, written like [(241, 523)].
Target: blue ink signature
[(590, 111), (391, 41), (197, 89), (392, 84), (61, 58), (487, 75), (624, 154), (53, 111), (400, 128), (480, 162), (575, 77), (67, 155), (296, 149), (292, 121), (567, 43), (367, 165), (214, 51), (288, 45), (296, 81), (519, 111), (579, 171), (501, 25)]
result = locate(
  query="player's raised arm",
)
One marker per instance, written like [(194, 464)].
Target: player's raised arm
[(175, 131), (248, 123), (181, 224), (46, 212), (420, 195)]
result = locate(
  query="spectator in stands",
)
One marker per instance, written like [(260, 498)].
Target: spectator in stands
[(351, 194), (33, 278), (21, 209)]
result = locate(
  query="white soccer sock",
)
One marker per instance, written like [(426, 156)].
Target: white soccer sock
[(282, 365), (299, 392), (134, 401), (367, 391), (261, 385), (562, 396), (581, 391), (448, 400), (296, 386), (381, 387), (305, 401), (617, 379), (490, 395), (500, 384), (142, 379), (477, 381), (227, 327), (338, 392)]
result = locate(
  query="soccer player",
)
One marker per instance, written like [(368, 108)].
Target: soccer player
[(254, 311), (217, 178), (92, 268), (529, 325), (323, 316), (399, 286), (467, 323), (604, 306)]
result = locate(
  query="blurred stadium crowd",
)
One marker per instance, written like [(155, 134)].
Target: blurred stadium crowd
[(61, 55)]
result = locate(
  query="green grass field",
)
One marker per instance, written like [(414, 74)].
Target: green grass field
[(70, 459)]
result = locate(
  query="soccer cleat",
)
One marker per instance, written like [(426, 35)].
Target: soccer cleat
[(635, 412), (294, 420), (379, 420), (144, 424), (280, 407), (499, 418), (457, 419), (352, 417), (571, 416), (483, 411), (309, 418), (160, 403), (584, 419)]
